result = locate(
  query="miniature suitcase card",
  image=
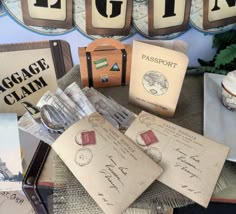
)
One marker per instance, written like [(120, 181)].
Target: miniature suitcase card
[(157, 75), (105, 63)]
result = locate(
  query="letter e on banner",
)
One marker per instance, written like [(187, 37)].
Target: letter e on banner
[(48, 9), (168, 16), (47, 13), (218, 13)]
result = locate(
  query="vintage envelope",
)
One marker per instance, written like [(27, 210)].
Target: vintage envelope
[(191, 162), (113, 170)]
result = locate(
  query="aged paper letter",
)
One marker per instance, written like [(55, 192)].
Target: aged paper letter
[(191, 162), (113, 170)]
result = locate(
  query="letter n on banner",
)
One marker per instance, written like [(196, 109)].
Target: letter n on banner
[(168, 16), (218, 13), (108, 17)]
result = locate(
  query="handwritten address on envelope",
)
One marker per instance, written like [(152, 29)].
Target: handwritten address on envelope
[(14, 202), (191, 162), (113, 170)]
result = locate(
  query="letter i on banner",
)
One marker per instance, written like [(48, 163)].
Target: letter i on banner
[(108, 17), (218, 13), (168, 16), (47, 13)]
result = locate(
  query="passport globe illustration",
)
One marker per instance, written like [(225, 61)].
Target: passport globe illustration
[(155, 83)]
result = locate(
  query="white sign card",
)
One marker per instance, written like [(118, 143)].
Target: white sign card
[(10, 155)]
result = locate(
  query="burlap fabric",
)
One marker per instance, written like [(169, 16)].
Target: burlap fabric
[(189, 112), (72, 197)]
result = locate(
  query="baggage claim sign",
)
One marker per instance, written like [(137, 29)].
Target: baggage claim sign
[(21, 76), (25, 77)]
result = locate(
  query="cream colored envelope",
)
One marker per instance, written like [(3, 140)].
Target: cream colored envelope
[(191, 162), (157, 75), (113, 170)]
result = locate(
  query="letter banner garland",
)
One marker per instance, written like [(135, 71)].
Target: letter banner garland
[(152, 18), (166, 19)]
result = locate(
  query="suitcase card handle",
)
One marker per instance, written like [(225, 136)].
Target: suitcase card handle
[(104, 42)]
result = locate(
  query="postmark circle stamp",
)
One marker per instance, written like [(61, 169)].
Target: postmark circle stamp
[(147, 119), (83, 156), (96, 120), (155, 83), (154, 153)]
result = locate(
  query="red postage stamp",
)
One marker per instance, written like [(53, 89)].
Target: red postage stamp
[(88, 137), (149, 137)]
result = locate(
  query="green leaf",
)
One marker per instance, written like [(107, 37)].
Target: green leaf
[(222, 40), (226, 56), (209, 69), (205, 63)]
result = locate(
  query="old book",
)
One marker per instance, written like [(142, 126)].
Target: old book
[(191, 162), (157, 75), (112, 169), (28, 70)]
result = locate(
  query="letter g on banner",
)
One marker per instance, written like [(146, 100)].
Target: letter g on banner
[(101, 6), (106, 12), (108, 17)]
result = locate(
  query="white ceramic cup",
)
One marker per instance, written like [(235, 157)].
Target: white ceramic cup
[(228, 98), (229, 90)]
